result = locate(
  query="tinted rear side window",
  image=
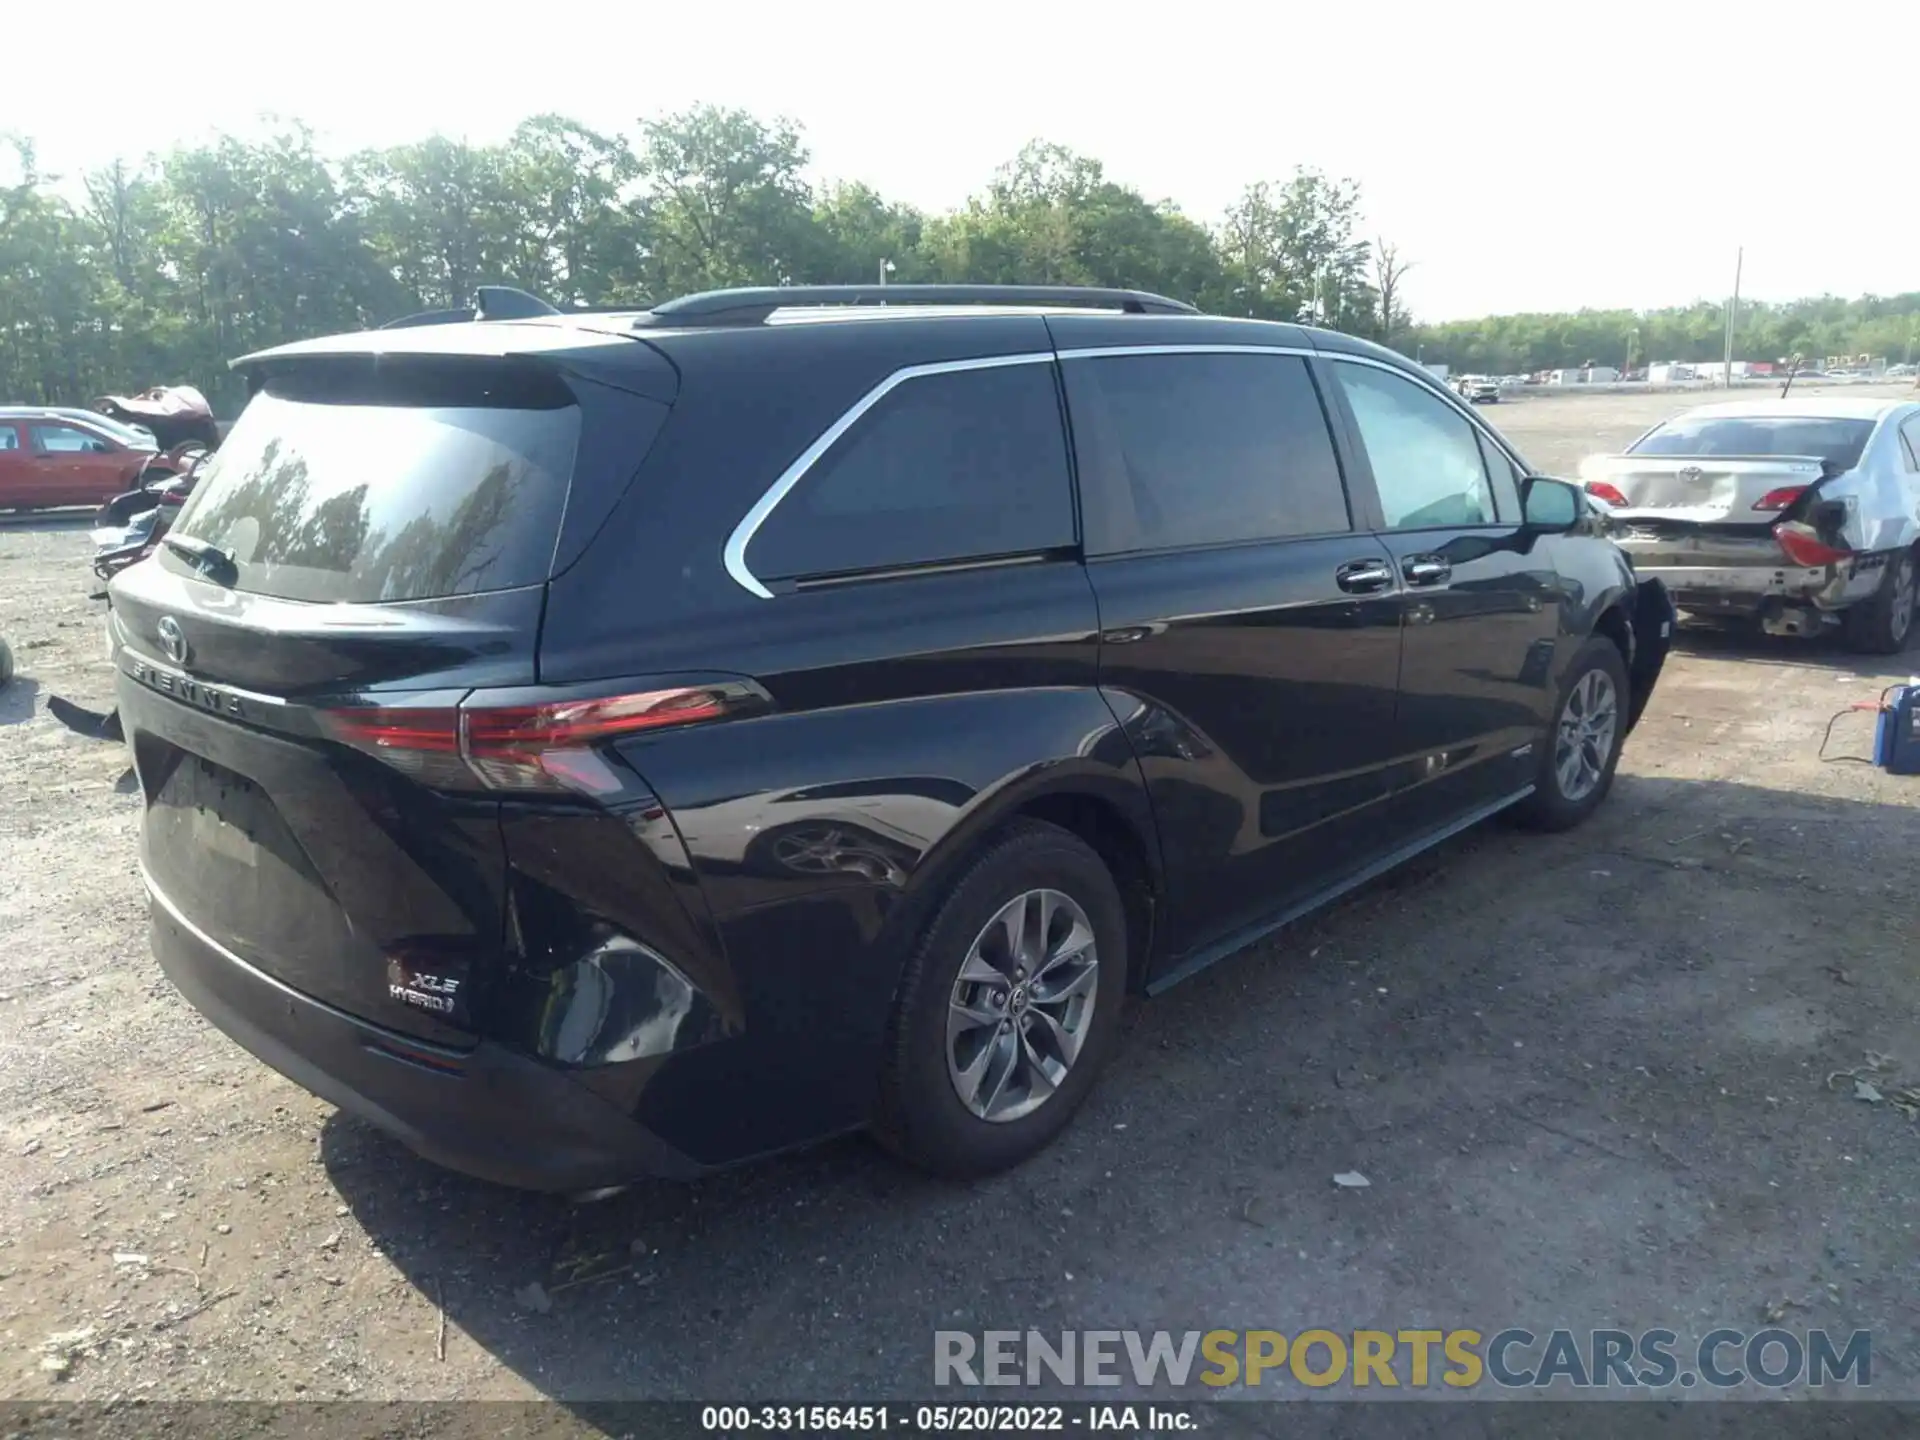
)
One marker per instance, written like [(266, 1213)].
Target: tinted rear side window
[(356, 502), (1837, 441), (956, 465), (1182, 450)]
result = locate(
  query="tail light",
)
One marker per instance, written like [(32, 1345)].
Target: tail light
[(1601, 490), (1804, 547), (552, 745), (1780, 499)]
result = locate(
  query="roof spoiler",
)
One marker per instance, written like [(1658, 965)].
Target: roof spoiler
[(753, 306)]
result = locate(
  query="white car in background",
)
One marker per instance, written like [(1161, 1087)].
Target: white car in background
[(1801, 513)]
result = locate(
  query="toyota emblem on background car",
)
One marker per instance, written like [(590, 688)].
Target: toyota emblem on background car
[(171, 640), (1689, 473)]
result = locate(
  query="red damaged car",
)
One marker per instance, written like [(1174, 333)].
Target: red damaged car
[(50, 456)]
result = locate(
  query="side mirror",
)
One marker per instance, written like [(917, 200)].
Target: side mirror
[(1550, 507)]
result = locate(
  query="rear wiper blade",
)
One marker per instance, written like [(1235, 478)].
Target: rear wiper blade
[(207, 558)]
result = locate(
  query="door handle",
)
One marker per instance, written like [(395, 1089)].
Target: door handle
[(1426, 570), (1363, 577)]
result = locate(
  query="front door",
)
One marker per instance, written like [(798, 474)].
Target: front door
[(1249, 633), (16, 468), (77, 467), (1480, 600)]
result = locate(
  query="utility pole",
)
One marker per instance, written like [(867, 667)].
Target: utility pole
[(886, 268), (1733, 309)]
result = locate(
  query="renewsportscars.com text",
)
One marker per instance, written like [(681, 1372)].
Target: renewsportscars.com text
[(1513, 1358)]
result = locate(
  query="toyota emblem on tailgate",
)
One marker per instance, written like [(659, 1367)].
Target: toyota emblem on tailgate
[(1690, 473), (171, 640)]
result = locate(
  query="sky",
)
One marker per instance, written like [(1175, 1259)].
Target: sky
[(1526, 157)]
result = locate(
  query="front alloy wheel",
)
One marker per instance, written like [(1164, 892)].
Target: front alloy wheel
[(1583, 740), (1575, 758)]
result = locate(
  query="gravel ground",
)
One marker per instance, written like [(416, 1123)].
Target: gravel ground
[(1589, 1078)]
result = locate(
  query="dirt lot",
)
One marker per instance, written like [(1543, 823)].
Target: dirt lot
[(1589, 1077)]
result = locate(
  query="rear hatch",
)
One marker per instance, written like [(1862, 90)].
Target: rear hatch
[(1741, 470), (369, 547)]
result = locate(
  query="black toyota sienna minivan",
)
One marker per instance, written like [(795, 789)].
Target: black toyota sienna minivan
[(603, 745)]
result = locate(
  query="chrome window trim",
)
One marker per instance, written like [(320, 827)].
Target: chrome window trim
[(1218, 347), (735, 553), (1331, 356), (930, 567)]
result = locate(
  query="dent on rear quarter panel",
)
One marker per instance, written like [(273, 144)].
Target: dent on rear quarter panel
[(822, 840)]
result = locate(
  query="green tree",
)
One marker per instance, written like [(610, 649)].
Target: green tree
[(1052, 217), (161, 272), (567, 232), (437, 219), (723, 202), (861, 231), (1291, 253), (56, 333)]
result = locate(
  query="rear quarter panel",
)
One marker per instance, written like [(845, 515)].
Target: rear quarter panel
[(823, 839), (1886, 494)]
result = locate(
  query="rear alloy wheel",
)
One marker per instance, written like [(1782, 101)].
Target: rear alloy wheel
[(1884, 624), (1022, 1006), (1008, 1007), (1576, 758)]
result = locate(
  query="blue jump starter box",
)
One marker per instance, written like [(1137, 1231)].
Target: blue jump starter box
[(1896, 740)]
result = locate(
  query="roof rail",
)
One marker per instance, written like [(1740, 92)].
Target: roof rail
[(752, 306)]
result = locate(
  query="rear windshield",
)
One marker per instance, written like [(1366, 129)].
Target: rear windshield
[(1838, 442), (329, 501)]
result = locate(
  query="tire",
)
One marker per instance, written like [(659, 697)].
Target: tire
[(922, 1117), (1556, 802), (1883, 625), (6, 664)]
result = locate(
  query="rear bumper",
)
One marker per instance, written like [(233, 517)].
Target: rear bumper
[(1738, 575), (486, 1112), (1737, 587)]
